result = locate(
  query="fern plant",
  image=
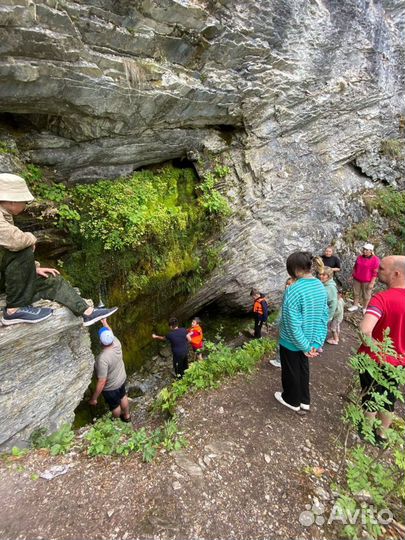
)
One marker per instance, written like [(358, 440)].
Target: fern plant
[(377, 473)]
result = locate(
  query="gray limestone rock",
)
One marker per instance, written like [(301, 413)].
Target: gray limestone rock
[(45, 369), (289, 94)]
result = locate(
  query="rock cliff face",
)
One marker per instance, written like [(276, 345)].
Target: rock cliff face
[(295, 95), (44, 370)]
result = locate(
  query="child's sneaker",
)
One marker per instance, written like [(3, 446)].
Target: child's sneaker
[(97, 315), (26, 314), (353, 308), (275, 362), (332, 341), (279, 398)]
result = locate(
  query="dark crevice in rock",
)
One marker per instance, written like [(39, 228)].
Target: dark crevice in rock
[(358, 170), (181, 163)]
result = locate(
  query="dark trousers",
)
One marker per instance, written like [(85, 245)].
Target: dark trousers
[(19, 280), (258, 326), (370, 386), (294, 377), (180, 364)]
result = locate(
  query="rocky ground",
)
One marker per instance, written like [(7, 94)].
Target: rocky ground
[(250, 471)]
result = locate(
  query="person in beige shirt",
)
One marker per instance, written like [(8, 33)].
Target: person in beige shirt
[(111, 375), (22, 279)]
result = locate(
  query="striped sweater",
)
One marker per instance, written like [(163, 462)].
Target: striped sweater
[(304, 315)]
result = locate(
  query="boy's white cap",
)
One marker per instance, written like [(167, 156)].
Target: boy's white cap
[(106, 336), (13, 188), (370, 247)]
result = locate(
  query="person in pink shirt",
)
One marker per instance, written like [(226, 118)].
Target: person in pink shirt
[(364, 276)]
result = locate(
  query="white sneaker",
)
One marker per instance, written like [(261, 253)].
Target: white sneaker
[(304, 407), (280, 399), (275, 362), (353, 308)]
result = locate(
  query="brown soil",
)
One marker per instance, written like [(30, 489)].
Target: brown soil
[(251, 468)]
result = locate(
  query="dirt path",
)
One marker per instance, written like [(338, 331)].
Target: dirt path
[(245, 475)]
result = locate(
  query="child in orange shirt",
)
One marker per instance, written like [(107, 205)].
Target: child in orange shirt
[(195, 338)]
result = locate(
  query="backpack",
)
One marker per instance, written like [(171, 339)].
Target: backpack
[(265, 307)]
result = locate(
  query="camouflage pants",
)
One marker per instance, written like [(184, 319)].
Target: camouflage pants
[(19, 280)]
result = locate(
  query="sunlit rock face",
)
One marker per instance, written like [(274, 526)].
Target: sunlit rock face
[(295, 96)]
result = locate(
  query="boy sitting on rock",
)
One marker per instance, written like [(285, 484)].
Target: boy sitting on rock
[(22, 279)]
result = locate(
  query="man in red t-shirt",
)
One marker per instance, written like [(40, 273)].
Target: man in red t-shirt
[(386, 310)]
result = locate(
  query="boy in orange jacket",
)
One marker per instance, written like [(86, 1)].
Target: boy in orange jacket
[(195, 338)]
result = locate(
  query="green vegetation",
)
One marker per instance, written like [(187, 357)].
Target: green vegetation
[(109, 437), (132, 212), (221, 362), (146, 242), (392, 148), (18, 452), (390, 204), (365, 230), (378, 473), (7, 148), (59, 442), (211, 200), (144, 228)]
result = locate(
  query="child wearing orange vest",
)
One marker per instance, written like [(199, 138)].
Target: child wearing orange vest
[(195, 337), (260, 311)]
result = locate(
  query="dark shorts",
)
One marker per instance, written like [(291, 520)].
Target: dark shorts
[(369, 385), (113, 397)]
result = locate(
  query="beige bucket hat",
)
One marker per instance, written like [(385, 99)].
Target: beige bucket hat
[(13, 188)]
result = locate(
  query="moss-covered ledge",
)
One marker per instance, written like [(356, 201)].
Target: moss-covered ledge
[(45, 369)]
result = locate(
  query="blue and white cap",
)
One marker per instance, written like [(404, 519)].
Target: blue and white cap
[(106, 336)]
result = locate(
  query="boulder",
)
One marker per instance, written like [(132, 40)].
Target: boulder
[(45, 369)]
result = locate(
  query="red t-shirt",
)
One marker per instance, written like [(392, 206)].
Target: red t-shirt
[(389, 308)]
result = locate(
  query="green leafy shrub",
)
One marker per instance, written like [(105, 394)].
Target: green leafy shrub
[(213, 202), (131, 212), (111, 437), (59, 442), (18, 452), (44, 191), (221, 362), (361, 231), (380, 475), (390, 203)]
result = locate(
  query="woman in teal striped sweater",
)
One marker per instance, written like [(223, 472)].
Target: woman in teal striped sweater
[(303, 329)]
